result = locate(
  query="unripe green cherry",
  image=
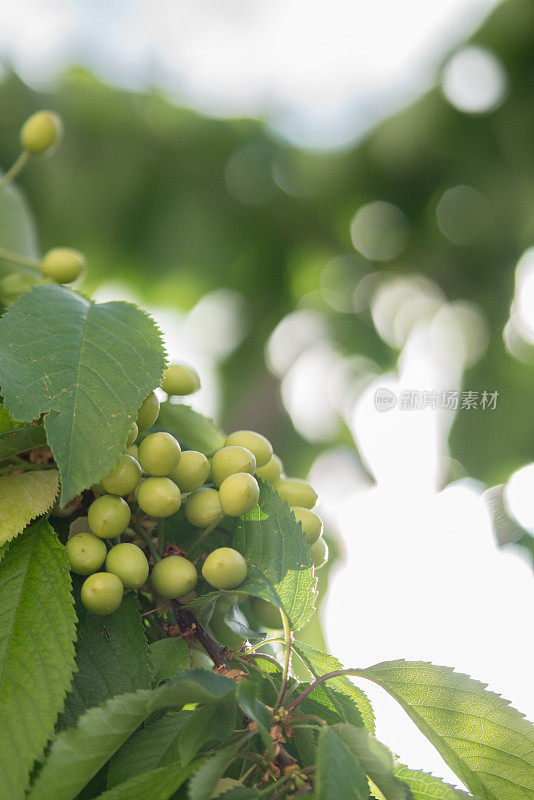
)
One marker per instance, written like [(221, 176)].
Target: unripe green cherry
[(86, 553), (199, 658), (159, 497), (238, 494), (62, 264), (271, 471), (312, 524), (220, 628), (191, 472), (129, 563), (225, 568), (102, 593), (229, 460), (173, 577), (203, 507), (180, 379), (124, 476), (133, 451), (148, 412), (267, 614), (159, 453), (255, 442), (296, 492), (108, 516), (132, 434), (41, 131), (319, 553)]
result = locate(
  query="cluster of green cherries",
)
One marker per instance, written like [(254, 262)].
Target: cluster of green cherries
[(158, 477)]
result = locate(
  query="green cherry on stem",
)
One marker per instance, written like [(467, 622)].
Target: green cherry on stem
[(173, 577), (62, 264), (124, 476), (271, 471), (86, 553), (102, 593), (132, 434), (41, 132), (319, 553), (180, 379), (229, 460), (129, 563), (267, 614), (312, 524), (108, 516), (296, 492), (159, 497), (255, 442), (203, 507), (159, 454), (191, 472), (199, 658), (224, 568), (238, 494), (148, 412)]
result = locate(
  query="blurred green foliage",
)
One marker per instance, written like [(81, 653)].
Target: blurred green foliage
[(142, 188)]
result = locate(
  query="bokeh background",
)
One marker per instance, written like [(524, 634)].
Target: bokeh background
[(318, 200)]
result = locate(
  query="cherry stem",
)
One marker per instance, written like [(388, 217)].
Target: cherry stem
[(148, 539), (161, 537), (15, 168), (288, 639), (337, 673)]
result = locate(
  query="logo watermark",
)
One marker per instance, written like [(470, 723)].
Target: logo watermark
[(450, 400)]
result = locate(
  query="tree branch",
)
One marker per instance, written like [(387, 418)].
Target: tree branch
[(186, 620)]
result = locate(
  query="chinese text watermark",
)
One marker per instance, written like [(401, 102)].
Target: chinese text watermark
[(450, 400)]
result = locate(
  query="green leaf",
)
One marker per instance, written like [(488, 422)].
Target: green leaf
[(169, 657), (247, 697), (270, 538), (17, 230), (78, 753), (87, 367), (255, 584), (112, 657), (339, 774), (152, 747), (37, 631), (195, 431), (319, 663), (375, 759), (486, 742), (158, 784), (428, 787), (23, 497), (506, 529), (204, 781), (20, 439)]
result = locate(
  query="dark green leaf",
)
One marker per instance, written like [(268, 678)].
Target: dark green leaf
[(18, 440), (204, 781), (486, 742), (169, 657), (339, 774), (375, 759), (112, 657), (152, 747), (319, 663), (195, 431), (158, 784), (37, 631), (270, 539), (87, 367), (195, 733), (78, 753)]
